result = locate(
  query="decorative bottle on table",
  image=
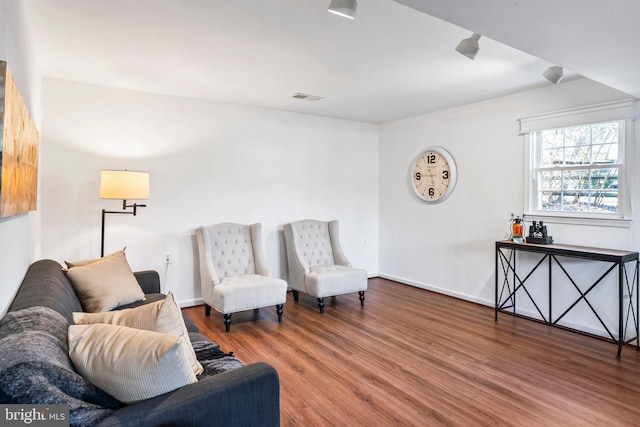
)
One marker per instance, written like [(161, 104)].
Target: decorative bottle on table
[(517, 230)]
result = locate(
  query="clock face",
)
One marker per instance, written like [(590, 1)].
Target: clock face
[(434, 175)]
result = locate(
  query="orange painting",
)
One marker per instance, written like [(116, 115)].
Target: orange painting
[(19, 141)]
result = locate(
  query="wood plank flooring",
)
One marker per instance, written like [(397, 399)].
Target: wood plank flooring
[(412, 357)]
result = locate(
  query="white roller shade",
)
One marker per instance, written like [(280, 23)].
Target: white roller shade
[(617, 110)]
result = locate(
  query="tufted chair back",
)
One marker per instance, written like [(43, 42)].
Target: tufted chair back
[(313, 242), (230, 250)]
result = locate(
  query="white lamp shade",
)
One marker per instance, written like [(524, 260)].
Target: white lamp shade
[(344, 8), (124, 184)]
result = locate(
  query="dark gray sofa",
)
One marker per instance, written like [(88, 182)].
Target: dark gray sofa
[(246, 396)]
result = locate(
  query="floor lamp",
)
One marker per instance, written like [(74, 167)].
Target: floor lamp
[(125, 185)]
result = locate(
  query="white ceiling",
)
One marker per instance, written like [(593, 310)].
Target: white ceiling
[(391, 62)]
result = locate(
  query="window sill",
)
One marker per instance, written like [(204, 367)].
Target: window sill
[(580, 220)]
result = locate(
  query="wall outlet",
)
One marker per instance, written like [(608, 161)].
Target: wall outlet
[(167, 257)]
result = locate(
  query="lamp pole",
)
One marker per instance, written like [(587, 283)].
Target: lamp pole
[(135, 207)]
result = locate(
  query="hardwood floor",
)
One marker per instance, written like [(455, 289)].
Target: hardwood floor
[(417, 358)]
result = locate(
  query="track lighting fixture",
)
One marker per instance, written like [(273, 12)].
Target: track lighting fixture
[(553, 74), (344, 8), (469, 47)]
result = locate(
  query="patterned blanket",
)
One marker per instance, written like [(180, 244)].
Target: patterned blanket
[(35, 367), (214, 360)]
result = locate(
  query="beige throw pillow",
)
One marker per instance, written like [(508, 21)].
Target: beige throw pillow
[(71, 264), (129, 364), (105, 283), (161, 316)]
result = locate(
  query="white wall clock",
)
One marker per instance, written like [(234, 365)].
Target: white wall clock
[(434, 175)]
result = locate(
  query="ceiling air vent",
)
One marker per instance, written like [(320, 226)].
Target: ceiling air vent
[(307, 97)]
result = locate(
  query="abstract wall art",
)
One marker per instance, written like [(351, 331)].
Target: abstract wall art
[(19, 141)]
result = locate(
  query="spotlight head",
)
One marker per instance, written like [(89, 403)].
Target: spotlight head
[(469, 47), (344, 8), (553, 74)]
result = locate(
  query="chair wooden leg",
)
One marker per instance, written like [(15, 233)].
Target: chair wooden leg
[(296, 295), (279, 311), (207, 310), (227, 321), (361, 293), (321, 305)]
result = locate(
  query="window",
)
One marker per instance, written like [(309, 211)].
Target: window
[(578, 170)]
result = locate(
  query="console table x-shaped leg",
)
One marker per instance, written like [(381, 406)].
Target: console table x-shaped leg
[(513, 282)]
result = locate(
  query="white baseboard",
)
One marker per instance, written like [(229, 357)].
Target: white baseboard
[(437, 289), (190, 302), (490, 303)]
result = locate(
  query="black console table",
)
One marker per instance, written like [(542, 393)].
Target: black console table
[(510, 281)]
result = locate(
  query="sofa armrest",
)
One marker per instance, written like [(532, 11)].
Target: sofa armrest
[(246, 396), (149, 281)]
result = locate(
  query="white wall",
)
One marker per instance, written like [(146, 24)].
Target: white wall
[(19, 234), (213, 162), (449, 247), (209, 163)]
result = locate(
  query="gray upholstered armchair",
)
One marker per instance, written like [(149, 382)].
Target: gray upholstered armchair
[(233, 271), (317, 265)]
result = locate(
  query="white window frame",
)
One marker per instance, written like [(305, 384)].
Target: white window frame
[(614, 111)]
